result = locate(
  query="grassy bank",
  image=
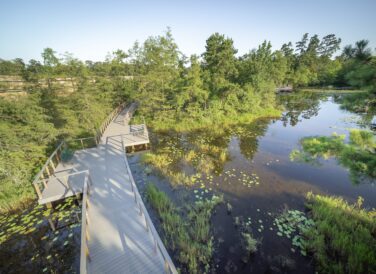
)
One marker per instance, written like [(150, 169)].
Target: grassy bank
[(343, 239), (188, 237)]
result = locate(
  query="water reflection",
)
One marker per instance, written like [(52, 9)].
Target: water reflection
[(249, 164), (300, 105)]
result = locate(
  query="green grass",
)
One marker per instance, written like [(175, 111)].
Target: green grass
[(189, 238), (343, 239)]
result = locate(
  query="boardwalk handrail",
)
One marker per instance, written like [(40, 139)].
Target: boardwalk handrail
[(158, 245), (85, 237), (48, 169), (108, 120)]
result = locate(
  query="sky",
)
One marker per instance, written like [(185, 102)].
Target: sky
[(91, 29)]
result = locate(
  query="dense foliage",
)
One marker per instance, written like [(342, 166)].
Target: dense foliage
[(175, 92), (31, 127)]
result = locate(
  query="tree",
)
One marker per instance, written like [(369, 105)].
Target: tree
[(329, 45), (219, 61), (13, 67), (361, 51), (158, 61), (192, 91), (50, 61), (49, 57), (301, 46), (74, 68)]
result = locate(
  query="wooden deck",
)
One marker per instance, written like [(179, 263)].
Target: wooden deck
[(117, 233)]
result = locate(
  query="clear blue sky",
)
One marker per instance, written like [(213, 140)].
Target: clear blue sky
[(90, 29)]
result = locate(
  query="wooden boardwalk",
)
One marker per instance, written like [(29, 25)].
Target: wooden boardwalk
[(117, 233)]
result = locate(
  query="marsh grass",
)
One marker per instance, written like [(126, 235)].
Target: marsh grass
[(343, 239), (189, 238)]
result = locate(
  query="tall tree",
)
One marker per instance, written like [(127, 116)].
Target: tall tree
[(193, 92), (301, 46), (329, 45), (220, 60), (50, 61)]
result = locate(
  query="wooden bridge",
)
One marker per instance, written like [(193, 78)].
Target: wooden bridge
[(117, 234)]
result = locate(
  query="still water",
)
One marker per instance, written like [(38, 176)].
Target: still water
[(258, 180)]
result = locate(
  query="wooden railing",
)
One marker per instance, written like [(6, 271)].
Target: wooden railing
[(108, 120), (85, 222), (40, 181), (47, 170), (158, 245)]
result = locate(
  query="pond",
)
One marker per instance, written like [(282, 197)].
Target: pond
[(250, 166)]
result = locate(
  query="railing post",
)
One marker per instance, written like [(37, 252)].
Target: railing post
[(37, 189), (44, 183), (52, 165), (48, 171)]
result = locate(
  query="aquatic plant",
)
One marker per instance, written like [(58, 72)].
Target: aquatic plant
[(293, 224), (249, 242), (358, 156), (189, 237), (343, 237), (363, 139)]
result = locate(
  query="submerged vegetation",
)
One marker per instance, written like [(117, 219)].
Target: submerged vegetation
[(343, 237), (188, 237), (358, 155)]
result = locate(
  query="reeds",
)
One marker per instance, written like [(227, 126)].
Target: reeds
[(189, 238)]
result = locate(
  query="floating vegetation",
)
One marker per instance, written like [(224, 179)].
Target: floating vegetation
[(30, 230), (247, 180), (293, 224)]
